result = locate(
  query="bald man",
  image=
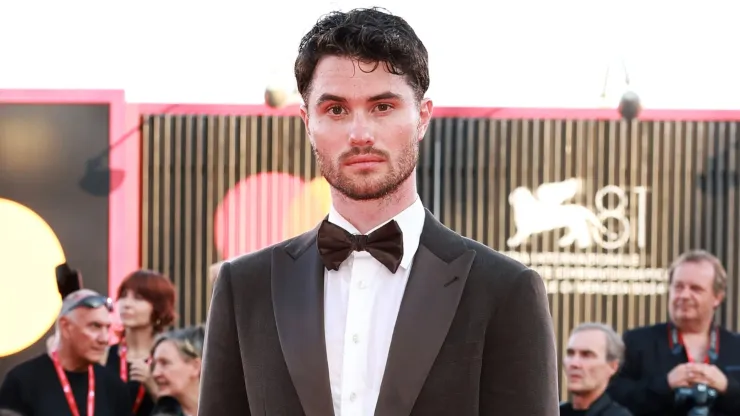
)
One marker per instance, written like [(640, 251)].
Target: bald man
[(69, 379)]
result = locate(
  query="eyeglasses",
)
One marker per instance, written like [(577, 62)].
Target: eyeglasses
[(90, 302)]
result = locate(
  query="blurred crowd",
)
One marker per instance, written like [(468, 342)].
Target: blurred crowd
[(689, 365), (151, 370)]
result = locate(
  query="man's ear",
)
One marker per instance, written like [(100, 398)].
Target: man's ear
[(718, 299), (196, 363), (426, 107), (614, 366), (64, 326), (305, 118)]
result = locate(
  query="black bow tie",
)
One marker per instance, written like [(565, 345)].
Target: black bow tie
[(336, 244)]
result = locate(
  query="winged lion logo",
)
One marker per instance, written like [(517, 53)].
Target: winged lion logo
[(546, 210)]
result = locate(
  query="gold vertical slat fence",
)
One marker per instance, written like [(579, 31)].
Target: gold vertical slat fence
[(632, 195)]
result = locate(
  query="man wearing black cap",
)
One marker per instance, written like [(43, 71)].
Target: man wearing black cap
[(68, 380)]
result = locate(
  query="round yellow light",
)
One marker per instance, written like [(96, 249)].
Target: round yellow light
[(29, 298), (308, 208)]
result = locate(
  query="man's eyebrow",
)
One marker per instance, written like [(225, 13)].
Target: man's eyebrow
[(582, 350), (378, 97), (330, 97), (386, 96)]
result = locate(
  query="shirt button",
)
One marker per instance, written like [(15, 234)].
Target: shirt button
[(356, 339), (363, 285), (352, 397)]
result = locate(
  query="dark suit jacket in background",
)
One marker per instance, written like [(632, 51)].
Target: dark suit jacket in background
[(603, 406), (642, 383), (473, 336)]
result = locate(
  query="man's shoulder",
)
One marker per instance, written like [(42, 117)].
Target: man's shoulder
[(491, 272), (616, 409), (732, 336), (613, 408), (256, 260), (492, 263), (448, 245), (30, 368), (647, 332), (255, 267), (38, 362)]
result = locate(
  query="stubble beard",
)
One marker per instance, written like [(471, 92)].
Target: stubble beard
[(368, 187)]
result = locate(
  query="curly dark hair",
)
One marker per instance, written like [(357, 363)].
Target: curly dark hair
[(369, 36)]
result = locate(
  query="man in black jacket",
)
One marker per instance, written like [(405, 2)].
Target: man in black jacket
[(69, 379), (592, 358), (689, 362), (381, 309)]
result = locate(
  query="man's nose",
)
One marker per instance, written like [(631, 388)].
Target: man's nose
[(572, 362), (360, 133), (683, 293)]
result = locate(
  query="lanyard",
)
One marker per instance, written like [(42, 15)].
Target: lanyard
[(712, 351), (68, 389), (122, 352)]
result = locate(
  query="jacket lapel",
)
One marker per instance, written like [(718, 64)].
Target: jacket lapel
[(438, 275), (298, 300)]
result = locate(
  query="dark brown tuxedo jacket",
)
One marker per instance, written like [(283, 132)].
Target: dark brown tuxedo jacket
[(473, 336)]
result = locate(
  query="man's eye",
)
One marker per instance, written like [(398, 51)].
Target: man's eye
[(384, 107), (336, 110)]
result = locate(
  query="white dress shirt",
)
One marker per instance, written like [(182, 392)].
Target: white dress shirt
[(361, 303)]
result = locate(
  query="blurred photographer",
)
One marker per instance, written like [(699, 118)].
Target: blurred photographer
[(689, 365)]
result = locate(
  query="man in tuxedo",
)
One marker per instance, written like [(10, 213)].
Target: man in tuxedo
[(380, 310)]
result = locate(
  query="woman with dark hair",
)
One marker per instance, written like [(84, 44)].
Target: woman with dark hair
[(146, 302), (176, 370)]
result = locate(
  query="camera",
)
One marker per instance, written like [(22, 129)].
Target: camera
[(699, 398)]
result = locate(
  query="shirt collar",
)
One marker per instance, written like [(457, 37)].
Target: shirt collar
[(411, 221)]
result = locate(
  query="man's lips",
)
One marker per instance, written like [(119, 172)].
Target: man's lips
[(363, 159)]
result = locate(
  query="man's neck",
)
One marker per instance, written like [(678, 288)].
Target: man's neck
[(69, 360), (139, 341), (366, 215), (583, 401), (694, 327)]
